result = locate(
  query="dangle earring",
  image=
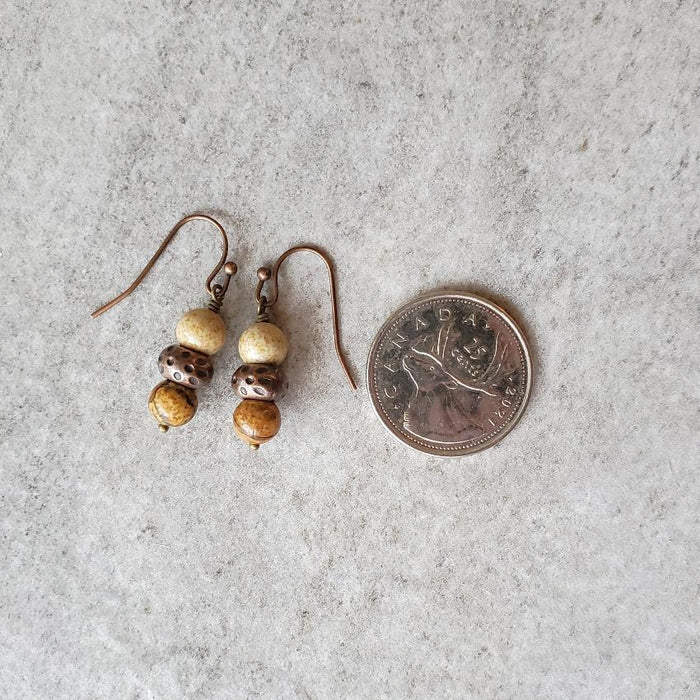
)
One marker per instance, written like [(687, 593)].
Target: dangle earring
[(262, 348), (200, 334)]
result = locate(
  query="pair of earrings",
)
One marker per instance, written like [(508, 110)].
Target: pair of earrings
[(201, 333)]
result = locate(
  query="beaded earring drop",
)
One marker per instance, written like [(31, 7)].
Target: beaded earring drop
[(200, 333), (259, 381)]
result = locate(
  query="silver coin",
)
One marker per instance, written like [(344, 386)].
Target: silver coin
[(449, 374)]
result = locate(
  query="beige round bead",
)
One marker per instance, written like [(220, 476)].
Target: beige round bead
[(256, 422), (172, 405), (202, 330), (264, 344)]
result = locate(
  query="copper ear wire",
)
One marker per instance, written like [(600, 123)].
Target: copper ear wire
[(217, 291), (265, 274)]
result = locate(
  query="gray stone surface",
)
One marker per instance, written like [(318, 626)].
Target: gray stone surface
[(547, 155)]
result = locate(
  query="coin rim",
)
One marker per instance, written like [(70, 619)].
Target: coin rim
[(467, 296)]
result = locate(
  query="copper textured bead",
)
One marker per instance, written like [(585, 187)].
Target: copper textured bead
[(256, 422), (185, 366), (202, 330), (172, 404), (261, 382), (263, 343)]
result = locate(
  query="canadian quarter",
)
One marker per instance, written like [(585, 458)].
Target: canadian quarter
[(449, 374)]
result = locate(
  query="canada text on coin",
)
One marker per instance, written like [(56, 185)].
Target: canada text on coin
[(449, 374)]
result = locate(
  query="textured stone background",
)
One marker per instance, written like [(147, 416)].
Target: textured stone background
[(545, 154)]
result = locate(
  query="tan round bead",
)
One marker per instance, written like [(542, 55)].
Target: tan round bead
[(172, 404), (264, 344), (256, 422), (202, 330)]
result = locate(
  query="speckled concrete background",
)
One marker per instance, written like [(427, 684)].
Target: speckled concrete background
[(547, 155)]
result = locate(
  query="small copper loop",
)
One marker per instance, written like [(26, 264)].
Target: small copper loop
[(262, 315), (265, 274), (216, 291)]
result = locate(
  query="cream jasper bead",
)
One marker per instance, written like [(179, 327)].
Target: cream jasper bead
[(202, 330), (263, 343)]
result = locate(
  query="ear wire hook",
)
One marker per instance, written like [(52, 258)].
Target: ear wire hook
[(264, 274), (216, 291)]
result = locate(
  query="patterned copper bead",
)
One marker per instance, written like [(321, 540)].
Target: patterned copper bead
[(261, 382), (185, 366)]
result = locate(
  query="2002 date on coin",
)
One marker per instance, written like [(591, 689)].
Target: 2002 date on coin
[(449, 374)]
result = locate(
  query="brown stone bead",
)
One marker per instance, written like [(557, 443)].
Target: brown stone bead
[(172, 404), (256, 422), (185, 366), (261, 382)]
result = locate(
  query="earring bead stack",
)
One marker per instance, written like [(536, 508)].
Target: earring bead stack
[(259, 382), (200, 334)]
